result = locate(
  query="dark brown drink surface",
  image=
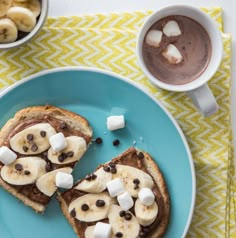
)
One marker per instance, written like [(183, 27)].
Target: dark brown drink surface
[(194, 45)]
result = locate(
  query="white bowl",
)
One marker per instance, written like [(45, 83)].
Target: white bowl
[(40, 21)]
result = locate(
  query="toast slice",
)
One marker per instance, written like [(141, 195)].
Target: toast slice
[(31, 177), (132, 165)]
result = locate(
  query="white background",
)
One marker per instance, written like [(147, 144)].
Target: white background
[(76, 7)]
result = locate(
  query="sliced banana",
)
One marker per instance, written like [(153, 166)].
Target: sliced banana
[(33, 5), (8, 31), (93, 212), (23, 171), (128, 174), (129, 228), (24, 19), (75, 145), (89, 232), (47, 184), (97, 185), (146, 215), (37, 135), (4, 6)]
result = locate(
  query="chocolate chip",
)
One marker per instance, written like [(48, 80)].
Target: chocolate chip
[(73, 213), (119, 234), (30, 137), (98, 140), (136, 181), (25, 148), (18, 167), (93, 176), (106, 169), (63, 125), (85, 207), (43, 133), (34, 147), (112, 165), (61, 157), (113, 170), (140, 155), (122, 213), (116, 142), (27, 172), (128, 216), (70, 154), (100, 203)]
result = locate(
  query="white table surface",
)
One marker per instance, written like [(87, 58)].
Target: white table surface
[(76, 7)]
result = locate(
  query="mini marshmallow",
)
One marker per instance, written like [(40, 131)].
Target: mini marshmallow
[(171, 28), (153, 38), (125, 201), (7, 156), (172, 54), (102, 230), (146, 196), (115, 187), (58, 142), (64, 180), (115, 122)]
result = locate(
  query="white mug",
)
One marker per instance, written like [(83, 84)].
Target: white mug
[(198, 89)]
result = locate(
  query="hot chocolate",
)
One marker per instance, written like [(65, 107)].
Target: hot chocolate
[(177, 50)]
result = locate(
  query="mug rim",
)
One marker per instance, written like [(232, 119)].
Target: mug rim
[(196, 83)]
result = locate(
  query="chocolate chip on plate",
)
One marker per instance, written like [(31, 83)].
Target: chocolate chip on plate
[(116, 142), (18, 167), (98, 140), (27, 172), (73, 213), (43, 133), (112, 165), (30, 137), (34, 147), (61, 157), (119, 234), (85, 207), (106, 169), (122, 213), (25, 148), (140, 155), (128, 216), (93, 176), (113, 170), (136, 181), (70, 154), (100, 203)]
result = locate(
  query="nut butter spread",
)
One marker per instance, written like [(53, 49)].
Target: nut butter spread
[(130, 159)]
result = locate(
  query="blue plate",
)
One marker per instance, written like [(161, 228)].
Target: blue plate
[(97, 94)]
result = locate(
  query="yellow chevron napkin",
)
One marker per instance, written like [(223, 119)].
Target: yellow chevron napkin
[(108, 41)]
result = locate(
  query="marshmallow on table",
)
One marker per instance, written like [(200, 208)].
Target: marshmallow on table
[(125, 201), (102, 230), (171, 28), (64, 180), (115, 122), (7, 156), (146, 196), (58, 142), (153, 38), (172, 54), (115, 187)]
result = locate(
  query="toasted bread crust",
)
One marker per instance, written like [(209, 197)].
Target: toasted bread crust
[(155, 172), (74, 120)]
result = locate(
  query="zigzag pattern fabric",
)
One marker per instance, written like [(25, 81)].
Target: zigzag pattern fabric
[(108, 41)]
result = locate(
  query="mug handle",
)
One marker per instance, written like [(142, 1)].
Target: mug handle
[(204, 100)]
